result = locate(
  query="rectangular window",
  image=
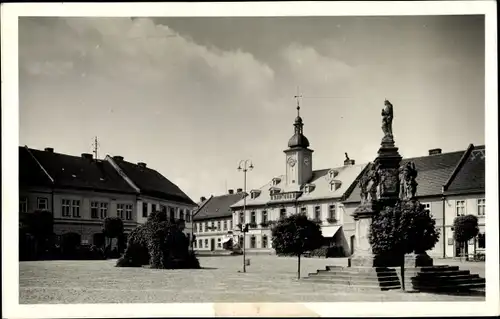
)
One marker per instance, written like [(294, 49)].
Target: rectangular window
[(200, 243), (481, 207), (206, 243), (427, 206), (172, 213), (66, 208), (103, 210), (145, 210), (317, 213), (75, 208), (282, 213), (253, 219), (481, 241), (264, 241), (181, 214), (253, 242), (224, 224), (303, 210), (120, 208), (212, 226), (163, 208), (460, 207), (219, 244), (94, 210), (188, 215), (242, 218), (218, 225), (194, 244), (42, 203), (264, 216), (332, 212), (230, 224), (153, 207), (23, 205), (206, 226), (128, 211)]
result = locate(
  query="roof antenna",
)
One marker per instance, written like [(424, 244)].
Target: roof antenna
[(95, 146)]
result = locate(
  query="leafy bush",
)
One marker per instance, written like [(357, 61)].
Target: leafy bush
[(160, 243), (405, 228), (295, 235), (327, 252), (113, 227), (99, 239), (36, 232), (70, 245)]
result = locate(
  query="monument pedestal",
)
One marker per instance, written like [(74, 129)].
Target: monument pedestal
[(363, 255), (418, 260)]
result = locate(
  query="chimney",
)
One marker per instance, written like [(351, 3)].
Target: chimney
[(349, 162), (141, 164), (49, 149), (239, 190), (231, 191), (118, 158), (87, 156), (435, 151), (202, 199)]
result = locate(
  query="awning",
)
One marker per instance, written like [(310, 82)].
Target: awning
[(330, 231), (225, 240)]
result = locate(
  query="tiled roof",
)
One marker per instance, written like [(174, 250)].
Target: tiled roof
[(30, 172), (345, 175), (81, 173), (152, 183), (217, 206), (433, 172), (471, 175)]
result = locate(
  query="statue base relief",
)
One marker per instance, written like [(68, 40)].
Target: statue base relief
[(363, 255)]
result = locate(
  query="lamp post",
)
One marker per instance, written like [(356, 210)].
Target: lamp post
[(247, 165)]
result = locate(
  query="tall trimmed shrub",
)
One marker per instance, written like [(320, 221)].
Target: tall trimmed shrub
[(465, 228)]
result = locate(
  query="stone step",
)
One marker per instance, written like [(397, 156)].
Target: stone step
[(471, 286), (433, 274), (438, 268), (357, 271), (357, 281), (357, 285), (450, 282), (355, 276), (360, 269)]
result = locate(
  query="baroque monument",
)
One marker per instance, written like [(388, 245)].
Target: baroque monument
[(382, 185)]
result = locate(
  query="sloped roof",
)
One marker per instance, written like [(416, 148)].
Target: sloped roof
[(320, 178), (217, 206), (471, 175), (152, 183), (81, 173), (433, 172), (30, 172)]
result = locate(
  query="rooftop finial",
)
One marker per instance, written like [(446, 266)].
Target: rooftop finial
[(297, 97)]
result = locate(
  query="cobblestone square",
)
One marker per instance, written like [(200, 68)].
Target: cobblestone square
[(268, 279)]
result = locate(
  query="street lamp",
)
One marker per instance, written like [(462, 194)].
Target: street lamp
[(244, 228)]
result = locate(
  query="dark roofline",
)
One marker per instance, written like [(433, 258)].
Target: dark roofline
[(459, 165), (203, 218), (465, 191), (39, 164), (203, 205)]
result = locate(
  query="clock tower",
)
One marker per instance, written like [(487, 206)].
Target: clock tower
[(298, 155)]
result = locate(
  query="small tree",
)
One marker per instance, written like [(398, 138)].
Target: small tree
[(40, 224), (295, 235), (465, 228)]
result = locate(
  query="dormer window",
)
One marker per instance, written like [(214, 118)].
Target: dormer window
[(334, 185), (332, 174), (276, 181), (254, 193), (274, 190), (309, 188)]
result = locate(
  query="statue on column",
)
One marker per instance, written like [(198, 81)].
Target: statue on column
[(407, 181), (387, 117)]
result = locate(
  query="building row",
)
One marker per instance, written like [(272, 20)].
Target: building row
[(449, 184), (81, 191)]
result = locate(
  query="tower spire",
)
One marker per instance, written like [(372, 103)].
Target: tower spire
[(297, 96)]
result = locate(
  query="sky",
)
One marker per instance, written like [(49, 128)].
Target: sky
[(191, 97)]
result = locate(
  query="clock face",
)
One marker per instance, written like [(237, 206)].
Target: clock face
[(307, 161), (291, 161)]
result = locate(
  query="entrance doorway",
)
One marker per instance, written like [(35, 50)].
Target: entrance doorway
[(212, 244)]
